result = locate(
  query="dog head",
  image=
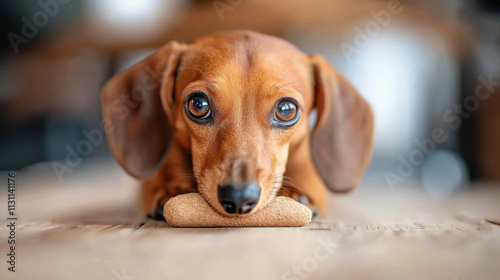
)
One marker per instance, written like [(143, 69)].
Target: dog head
[(238, 103)]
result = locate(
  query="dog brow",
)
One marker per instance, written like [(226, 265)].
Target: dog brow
[(213, 85), (276, 89), (199, 70)]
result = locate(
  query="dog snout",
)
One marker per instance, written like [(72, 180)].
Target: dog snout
[(239, 198)]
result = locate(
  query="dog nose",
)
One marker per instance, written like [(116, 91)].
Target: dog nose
[(239, 198)]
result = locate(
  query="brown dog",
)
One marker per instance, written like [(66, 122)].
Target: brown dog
[(228, 116)]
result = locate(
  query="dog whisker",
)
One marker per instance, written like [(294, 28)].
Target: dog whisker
[(292, 184), (277, 188), (199, 70), (283, 85), (285, 190), (287, 177)]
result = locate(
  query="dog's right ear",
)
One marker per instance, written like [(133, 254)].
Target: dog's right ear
[(137, 126), (342, 140)]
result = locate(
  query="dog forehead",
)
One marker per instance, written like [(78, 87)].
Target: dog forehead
[(245, 58), (244, 40)]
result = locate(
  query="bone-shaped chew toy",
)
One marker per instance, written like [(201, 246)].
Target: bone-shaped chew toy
[(191, 210)]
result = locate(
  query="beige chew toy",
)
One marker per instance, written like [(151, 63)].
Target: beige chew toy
[(191, 210)]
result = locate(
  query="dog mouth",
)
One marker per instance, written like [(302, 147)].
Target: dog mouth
[(238, 194)]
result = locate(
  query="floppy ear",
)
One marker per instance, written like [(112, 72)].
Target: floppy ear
[(342, 139), (137, 127)]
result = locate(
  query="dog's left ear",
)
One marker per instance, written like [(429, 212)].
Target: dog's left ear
[(342, 140)]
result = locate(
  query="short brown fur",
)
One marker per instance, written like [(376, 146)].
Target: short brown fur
[(245, 74)]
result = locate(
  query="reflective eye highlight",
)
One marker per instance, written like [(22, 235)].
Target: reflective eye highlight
[(285, 114), (198, 106), (286, 111)]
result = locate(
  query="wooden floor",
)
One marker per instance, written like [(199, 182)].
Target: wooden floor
[(87, 227)]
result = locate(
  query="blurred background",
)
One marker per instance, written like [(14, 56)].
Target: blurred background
[(430, 70)]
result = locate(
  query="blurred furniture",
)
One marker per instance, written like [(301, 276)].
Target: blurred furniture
[(56, 81), (480, 136), (411, 71)]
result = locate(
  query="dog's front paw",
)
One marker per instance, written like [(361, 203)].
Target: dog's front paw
[(155, 210), (154, 200), (156, 214)]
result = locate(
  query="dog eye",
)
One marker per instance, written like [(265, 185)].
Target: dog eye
[(286, 111), (198, 106), (285, 114)]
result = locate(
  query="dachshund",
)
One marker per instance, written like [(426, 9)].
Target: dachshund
[(228, 116)]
